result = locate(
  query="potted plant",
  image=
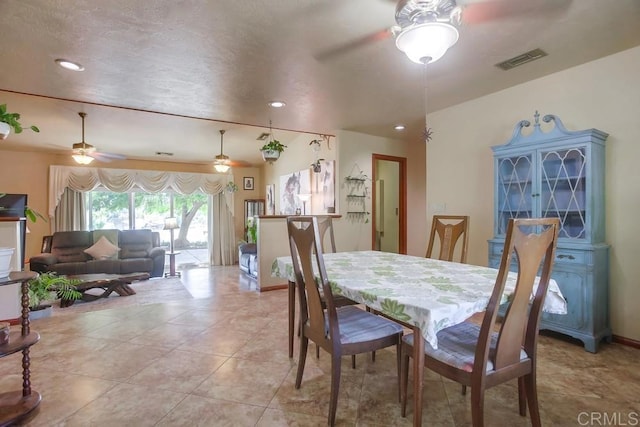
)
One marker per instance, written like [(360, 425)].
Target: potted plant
[(9, 121), (48, 287), (271, 150)]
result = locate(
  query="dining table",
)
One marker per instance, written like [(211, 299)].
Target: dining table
[(425, 294)]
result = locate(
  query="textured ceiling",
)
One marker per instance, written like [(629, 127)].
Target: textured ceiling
[(224, 60)]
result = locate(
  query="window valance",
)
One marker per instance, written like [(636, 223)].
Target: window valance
[(124, 180)]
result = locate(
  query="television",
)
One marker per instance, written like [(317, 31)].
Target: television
[(12, 206)]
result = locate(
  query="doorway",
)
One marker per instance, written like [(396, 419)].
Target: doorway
[(389, 204)]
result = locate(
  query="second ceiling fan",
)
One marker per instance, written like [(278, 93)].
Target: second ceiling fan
[(84, 153), (222, 162)]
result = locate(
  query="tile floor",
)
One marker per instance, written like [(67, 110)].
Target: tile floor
[(221, 359)]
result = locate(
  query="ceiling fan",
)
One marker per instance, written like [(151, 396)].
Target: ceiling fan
[(446, 16), (84, 153), (222, 163)]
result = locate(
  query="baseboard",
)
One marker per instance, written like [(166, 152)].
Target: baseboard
[(626, 341), (12, 322), (273, 288)]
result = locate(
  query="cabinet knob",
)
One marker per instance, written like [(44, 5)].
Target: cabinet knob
[(566, 256)]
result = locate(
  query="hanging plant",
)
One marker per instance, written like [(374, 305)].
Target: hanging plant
[(10, 121), (232, 187), (271, 150)]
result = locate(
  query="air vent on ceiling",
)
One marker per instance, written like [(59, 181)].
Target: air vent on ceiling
[(516, 61), (263, 136)]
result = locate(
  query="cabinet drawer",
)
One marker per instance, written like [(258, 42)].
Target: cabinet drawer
[(570, 256), (563, 256)]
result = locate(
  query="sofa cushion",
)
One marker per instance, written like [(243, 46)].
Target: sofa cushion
[(69, 268), (106, 266), (69, 246), (103, 249), (135, 265), (135, 243), (112, 236)]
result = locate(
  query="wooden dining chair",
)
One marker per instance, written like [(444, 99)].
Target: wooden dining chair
[(325, 226), (340, 331), (478, 357), (325, 229), (449, 229)]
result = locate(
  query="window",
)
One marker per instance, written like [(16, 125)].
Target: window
[(138, 210)]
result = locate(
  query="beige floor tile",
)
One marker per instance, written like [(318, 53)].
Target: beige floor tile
[(277, 418), (63, 394), (245, 381), (127, 405), (201, 411), (180, 371)]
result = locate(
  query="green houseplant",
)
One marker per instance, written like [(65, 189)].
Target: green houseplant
[(271, 150), (49, 287), (10, 121), (273, 145)]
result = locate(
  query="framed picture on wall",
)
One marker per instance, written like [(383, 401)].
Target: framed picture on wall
[(271, 200), (247, 182)]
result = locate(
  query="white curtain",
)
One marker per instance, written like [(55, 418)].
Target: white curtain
[(70, 213), (222, 240), (83, 179)]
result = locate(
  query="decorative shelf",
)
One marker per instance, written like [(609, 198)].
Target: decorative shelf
[(17, 405)]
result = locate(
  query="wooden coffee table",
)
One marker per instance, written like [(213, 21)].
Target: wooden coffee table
[(118, 283)]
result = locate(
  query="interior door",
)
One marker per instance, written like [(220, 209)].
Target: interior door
[(389, 204)]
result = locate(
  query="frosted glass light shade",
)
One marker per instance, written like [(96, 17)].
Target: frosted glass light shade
[(221, 167), (82, 159), (428, 42)]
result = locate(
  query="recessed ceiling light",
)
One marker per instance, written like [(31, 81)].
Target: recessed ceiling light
[(399, 127), (69, 65), (277, 104)]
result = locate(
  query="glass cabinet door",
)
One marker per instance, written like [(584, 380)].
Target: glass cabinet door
[(563, 189), (515, 180)]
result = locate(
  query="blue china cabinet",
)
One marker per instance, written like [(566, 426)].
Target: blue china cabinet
[(560, 173)]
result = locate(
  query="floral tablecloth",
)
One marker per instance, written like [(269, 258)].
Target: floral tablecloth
[(427, 293)]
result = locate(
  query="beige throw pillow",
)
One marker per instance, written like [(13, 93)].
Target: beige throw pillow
[(102, 249)]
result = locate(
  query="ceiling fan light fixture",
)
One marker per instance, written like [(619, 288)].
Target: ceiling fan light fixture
[(427, 42), (82, 159), (221, 163), (221, 167)]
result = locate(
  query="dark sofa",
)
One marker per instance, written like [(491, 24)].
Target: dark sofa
[(63, 253), (248, 259)]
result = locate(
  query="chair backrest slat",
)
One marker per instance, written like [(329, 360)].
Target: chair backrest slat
[(449, 233), (534, 254), (325, 225), (308, 263)]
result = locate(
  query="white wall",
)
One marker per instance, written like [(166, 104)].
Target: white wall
[(603, 94), (355, 154)]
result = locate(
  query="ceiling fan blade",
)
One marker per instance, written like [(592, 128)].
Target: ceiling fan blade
[(481, 11), (106, 157), (240, 164), (354, 44)]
